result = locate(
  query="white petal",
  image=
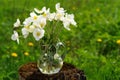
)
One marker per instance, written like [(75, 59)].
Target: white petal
[(73, 23), (66, 25), (27, 21), (57, 6), (59, 9), (38, 11), (44, 9), (51, 17), (48, 10), (25, 32), (32, 14), (15, 36), (17, 23), (31, 28)]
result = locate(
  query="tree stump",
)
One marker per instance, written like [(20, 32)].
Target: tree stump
[(30, 71)]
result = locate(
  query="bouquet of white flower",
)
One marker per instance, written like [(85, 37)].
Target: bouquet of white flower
[(36, 24)]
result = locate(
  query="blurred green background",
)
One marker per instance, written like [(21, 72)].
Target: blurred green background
[(94, 45)]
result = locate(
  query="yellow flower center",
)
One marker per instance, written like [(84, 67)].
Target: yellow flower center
[(42, 25), (59, 15), (38, 34), (44, 14), (35, 17), (27, 27)]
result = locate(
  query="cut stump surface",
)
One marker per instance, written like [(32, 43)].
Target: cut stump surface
[(30, 71)]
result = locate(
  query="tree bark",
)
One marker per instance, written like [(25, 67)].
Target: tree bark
[(30, 71)]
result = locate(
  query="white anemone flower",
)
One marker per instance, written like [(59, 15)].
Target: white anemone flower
[(38, 20), (15, 36), (17, 23), (25, 32), (38, 33), (60, 12), (46, 13), (59, 16), (51, 16), (41, 21), (34, 18), (27, 21), (68, 19)]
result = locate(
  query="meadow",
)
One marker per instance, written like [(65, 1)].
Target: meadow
[(93, 46)]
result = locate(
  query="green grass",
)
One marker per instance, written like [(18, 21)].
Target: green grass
[(96, 19)]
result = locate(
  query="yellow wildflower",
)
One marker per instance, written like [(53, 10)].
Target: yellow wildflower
[(99, 40), (118, 41), (26, 54), (14, 54), (98, 10), (30, 44)]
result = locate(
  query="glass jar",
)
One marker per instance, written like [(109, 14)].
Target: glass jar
[(50, 61)]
